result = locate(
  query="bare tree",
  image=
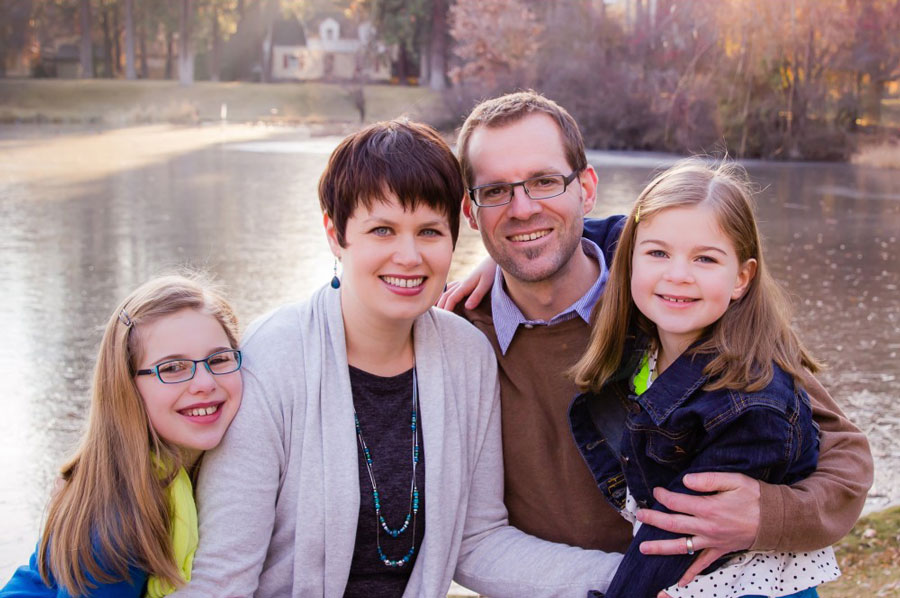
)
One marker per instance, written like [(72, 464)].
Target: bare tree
[(107, 29), (438, 46), (116, 38), (185, 52), (142, 40), (270, 14), (215, 65), (129, 40), (87, 47)]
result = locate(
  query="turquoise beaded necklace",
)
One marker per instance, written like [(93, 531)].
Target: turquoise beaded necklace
[(381, 524)]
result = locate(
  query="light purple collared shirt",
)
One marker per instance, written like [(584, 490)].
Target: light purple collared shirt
[(508, 317)]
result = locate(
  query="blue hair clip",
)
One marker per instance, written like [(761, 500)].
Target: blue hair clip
[(125, 319)]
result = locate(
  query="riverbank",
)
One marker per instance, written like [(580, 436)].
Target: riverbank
[(113, 102), (869, 557), (119, 103)]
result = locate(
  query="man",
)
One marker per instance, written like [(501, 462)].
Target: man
[(547, 281)]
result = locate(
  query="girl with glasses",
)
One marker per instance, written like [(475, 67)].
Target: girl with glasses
[(122, 520)]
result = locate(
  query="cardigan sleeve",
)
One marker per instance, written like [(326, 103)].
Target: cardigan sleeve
[(821, 509), (497, 559), (236, 496)]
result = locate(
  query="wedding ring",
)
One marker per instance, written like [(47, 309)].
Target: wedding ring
[(689, 545)]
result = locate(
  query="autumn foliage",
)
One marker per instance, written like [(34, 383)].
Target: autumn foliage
[(777, 79), (496, 43)]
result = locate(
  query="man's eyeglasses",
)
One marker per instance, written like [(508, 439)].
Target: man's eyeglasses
[(182, 370), (539, 187)]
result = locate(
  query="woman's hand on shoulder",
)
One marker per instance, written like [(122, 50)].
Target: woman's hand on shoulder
[(473, 288)]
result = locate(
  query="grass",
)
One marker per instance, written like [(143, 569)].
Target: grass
[(882, 154), (869, 557), (120, 103)]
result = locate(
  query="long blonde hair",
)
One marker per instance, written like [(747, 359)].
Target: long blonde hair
[(111, 502), (755, 329)]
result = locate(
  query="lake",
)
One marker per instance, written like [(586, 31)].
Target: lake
[(85, 216)]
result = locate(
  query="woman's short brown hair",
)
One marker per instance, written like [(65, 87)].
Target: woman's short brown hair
[(407, 159)]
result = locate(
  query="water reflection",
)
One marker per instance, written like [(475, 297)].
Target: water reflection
[(68, 253)]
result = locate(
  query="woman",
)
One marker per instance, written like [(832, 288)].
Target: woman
[(319, 489)]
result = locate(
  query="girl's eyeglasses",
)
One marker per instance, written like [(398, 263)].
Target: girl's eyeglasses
[(174, 371)]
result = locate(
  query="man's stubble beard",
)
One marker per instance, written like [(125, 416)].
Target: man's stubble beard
[(520, 271)]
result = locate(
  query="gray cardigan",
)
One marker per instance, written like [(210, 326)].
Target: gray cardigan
[(279, 498)]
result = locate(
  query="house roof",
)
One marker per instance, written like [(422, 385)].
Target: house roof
[(288, 32)]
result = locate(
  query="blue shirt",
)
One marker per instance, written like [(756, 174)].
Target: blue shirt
[(508, 317), (26, 582)]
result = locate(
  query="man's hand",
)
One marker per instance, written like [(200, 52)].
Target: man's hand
[(475, 286), (717, 524)]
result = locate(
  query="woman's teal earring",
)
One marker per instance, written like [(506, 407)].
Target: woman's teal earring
[(335, 281)]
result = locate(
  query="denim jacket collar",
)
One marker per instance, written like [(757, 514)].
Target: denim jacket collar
[(660, 400)]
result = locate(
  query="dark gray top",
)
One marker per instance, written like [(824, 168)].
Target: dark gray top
[(383, 406)]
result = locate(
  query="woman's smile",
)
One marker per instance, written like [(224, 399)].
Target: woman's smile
[(404, 285), (394, 260)]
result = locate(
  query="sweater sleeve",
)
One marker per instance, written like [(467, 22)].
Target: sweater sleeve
[(498, 560), (236, 495), (821, 509)]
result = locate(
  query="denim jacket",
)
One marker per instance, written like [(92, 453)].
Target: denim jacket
[(677, 427)]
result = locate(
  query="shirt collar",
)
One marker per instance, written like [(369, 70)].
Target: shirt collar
[(508, 317)]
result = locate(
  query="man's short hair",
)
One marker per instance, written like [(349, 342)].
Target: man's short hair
[(510, 108), (405, 158)]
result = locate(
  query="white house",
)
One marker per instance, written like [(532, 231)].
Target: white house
[(332, 57)]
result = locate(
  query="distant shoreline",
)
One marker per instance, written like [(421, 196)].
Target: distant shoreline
[(113, 102), (326, 108)]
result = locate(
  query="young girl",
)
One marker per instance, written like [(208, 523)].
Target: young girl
[(693, 366), (122, 521)]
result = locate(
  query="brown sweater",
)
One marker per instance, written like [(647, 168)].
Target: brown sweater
[(551, 494)]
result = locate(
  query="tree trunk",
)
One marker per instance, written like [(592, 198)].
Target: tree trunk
[(438, 52), (872, 96), (269, 16), (107, 43), (117, 40), (185, 53), (170, 42), (424, 63), (142, 42), (402, 65), (215, 58), (129, 40), (87, 48)]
